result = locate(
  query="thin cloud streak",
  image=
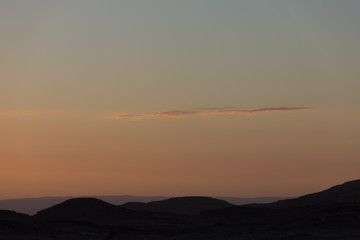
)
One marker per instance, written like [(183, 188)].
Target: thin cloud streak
[(215, 111)]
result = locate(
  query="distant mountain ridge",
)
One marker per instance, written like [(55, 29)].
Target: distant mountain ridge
[(79, 207), (331, 214), (180, 205), (349, 192), (85, 209), (33, 205), (335, 208)]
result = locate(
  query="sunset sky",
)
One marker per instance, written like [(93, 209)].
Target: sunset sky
[(190, 97)]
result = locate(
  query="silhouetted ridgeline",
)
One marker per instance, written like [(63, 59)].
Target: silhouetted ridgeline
[(33, 205), (180, 205), (330, 214), (346, 193)]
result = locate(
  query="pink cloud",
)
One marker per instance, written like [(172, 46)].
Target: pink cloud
[(210, 111)]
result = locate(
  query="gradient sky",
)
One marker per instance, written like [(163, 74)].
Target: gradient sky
[(191, 97)]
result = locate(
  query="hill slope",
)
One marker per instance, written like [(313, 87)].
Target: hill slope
[(180, 205), (32, 205), (349, 192), (84, 209), (329, 215)]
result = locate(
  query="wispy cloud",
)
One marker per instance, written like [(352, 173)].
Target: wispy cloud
[(205, 112)]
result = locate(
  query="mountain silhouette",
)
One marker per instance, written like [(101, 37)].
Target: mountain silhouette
[(337, 208), (348, 192), (6, 215), (33, 205), (331, 214), (84, 209), (180, 205)]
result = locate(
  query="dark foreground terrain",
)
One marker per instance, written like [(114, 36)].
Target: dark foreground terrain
[(330, 214)]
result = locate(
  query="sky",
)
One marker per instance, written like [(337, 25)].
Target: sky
[(194, 97)]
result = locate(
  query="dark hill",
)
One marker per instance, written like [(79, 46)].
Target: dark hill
[(331, 214), (33, 205), (84, 209), (6, 215), (180, 205), (336, 209), (348, 192)]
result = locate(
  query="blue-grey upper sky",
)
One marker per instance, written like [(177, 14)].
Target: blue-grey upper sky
[(176, 53)]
